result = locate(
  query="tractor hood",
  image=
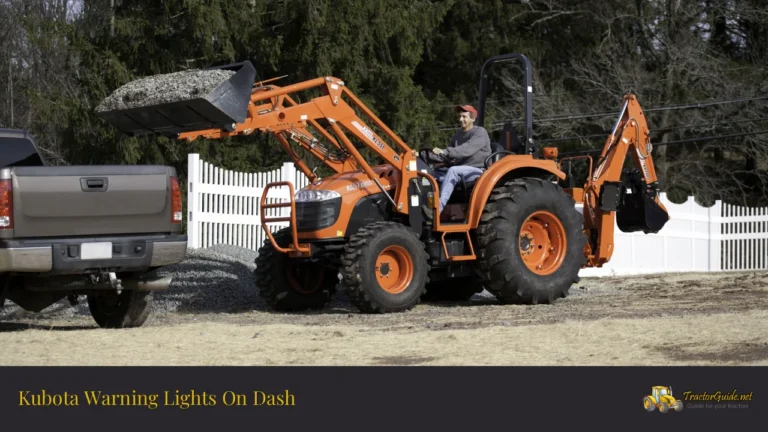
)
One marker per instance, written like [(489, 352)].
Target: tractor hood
[(668, 399), (355, 185), (359, 202)]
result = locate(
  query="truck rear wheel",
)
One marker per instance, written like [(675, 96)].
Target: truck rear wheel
[(384, 267), (291, 285), (130, 308), (531, 242)]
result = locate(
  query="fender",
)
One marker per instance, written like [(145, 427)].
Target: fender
[(491, 177)]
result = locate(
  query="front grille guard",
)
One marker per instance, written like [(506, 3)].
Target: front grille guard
[(294, 248)]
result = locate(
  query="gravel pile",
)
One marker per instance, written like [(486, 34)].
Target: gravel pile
[(218, 279), (158, 89)]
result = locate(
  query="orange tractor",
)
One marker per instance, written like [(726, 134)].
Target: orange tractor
[(514, 231)]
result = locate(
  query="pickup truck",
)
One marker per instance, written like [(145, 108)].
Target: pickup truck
[(94, 231)]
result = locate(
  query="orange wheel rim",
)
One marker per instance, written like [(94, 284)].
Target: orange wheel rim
[(394, 269), (305, 280), (543, 243)]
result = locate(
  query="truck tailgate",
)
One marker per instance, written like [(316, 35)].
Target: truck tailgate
[(91, 200)]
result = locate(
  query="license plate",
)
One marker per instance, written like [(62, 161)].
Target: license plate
[(90, 251)]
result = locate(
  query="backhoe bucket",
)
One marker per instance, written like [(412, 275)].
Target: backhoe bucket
[(213, 98), (639, 212)]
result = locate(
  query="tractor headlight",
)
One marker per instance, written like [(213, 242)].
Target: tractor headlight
[(315, 195)]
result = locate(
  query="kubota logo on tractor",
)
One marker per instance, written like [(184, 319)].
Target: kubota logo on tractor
[(661, 397)]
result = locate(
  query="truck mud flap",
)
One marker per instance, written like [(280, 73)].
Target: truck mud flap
[(223, 106)]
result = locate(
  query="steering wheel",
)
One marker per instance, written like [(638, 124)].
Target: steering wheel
[(488, 159), (424, 155)]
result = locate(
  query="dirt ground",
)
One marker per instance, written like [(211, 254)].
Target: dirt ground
[(679, 319)]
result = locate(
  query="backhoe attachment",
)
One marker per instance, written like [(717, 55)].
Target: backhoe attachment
[(634, 203)]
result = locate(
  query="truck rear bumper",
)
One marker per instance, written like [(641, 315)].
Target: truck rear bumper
[(117, 254)]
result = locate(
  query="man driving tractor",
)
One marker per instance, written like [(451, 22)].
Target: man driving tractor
[(467, 151)]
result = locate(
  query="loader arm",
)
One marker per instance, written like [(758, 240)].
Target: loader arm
[(272, 110), (606, 198)]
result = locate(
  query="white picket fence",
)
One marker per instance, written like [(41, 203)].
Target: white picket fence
[(223, 208), (695, 239), (223, 205)]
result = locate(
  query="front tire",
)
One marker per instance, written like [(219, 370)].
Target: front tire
[(128, 309), (531, 242), (663, 407), (292, 285), (385, 267)]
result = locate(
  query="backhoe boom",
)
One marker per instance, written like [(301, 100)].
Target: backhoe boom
[(607, 198)]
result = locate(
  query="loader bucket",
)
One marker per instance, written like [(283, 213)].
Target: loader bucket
[(212, 98), (639, 212)]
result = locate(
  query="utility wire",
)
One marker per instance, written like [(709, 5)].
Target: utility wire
[(707, 124), (615, 113), (699, 139), (572, 138), (654, 131), (653, 109)]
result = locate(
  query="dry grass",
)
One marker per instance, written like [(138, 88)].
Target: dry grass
[(731, 338), (660, 320)]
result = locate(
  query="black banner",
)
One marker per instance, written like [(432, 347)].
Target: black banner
[(376, 398)]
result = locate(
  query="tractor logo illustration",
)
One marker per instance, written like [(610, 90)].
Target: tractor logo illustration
[(661, 398)]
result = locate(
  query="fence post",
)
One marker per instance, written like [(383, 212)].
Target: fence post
[(715, 216), (288, 173), (193, 178)]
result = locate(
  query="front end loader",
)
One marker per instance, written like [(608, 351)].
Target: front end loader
[(514, 231)]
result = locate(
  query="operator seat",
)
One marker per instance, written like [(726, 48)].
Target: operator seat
[(510, 141)]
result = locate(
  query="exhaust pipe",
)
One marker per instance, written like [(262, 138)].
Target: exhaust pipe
[(148, 283), (104, 281)]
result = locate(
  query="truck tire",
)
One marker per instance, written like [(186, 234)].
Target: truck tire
[(530, 242), (128, 309), (453, 289), (384, 268), (291, 285)]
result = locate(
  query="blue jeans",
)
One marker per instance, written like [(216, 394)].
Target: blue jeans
[(449, 177)]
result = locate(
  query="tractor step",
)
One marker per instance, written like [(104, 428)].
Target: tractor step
[(449, 257)]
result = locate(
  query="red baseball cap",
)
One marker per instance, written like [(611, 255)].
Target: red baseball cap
[(467, 108)]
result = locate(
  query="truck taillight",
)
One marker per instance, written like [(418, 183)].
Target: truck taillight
[(6, 204), (176, 212)]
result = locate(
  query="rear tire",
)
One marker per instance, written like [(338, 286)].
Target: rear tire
[(385, 267), (531, 242), (292, 285), (128, 309)]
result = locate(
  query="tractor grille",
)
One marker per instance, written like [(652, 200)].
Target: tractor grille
[(313, 216)]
